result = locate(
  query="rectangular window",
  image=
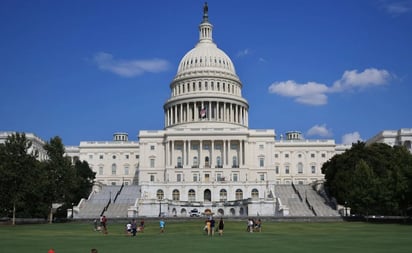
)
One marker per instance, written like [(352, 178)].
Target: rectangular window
[(286, 169), (152, 163), (152, 147), (312, 155), (90, 156), (152, 178), (126, 156), (100, 171), (195, 177), (100, 157), (261, 162), (323, 155), (126, 170), (235, 177), (277, 169), (262, 177), (276, 155), (313, 168), (286, 155), (179, 177)]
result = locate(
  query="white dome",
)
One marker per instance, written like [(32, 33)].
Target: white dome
[(206, 56)]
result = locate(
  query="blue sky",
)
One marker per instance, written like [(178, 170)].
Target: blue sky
[(83, 70)]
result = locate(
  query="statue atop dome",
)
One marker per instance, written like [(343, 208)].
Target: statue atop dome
[(205, 12)]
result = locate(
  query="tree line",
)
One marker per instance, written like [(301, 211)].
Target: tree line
[(371, 179), (29, 187)]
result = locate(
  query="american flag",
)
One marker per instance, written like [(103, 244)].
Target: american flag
[(203, 113)]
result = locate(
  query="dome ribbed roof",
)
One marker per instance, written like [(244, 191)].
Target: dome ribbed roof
[(206, 55)]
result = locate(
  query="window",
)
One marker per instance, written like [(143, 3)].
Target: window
[(192, 195), (261, 162), (286, 169), (100, 157), (234, 177), (137, 156), (218, 162), (286, 155), (126, 156), (262, 177), (152, 162), (179, 162), (299, 155), (152, 178), (195, 177), (255, 193), (276, 155), (114, 157), (223, 195), (234, 162), (114, 168), (90, 156), (261, 146), (277, 169), (313, 169), (160, 194), (126, 170), (195, 162), (300, 168), (179, 177), (101, 170), (323, 155), (312, 155), (176, 195), (219, 177), (152, 147), (239, 194)]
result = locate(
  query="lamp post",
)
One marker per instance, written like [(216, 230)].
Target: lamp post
[(160, 205), (346, 208)]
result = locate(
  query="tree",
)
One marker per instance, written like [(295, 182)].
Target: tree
[(18, 171), (372, 179), (60, 174)]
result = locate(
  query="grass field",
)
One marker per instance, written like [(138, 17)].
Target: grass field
[(348, 237)]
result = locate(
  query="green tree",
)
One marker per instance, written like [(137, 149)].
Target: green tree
[(18, 172), (60, 174), (372, 179)]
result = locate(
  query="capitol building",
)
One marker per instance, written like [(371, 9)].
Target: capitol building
[(207, 157)]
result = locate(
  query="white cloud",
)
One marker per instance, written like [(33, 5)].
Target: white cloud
[(312, 93), (243, 53), (309, 93), (352, 79), (350, 138), (319, 130), (397, 8), (128, 68)]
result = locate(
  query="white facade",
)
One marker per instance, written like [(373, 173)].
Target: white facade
[(37, 144), (206, 156)]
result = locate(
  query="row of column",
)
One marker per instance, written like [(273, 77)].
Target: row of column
[(206, 110), (184, 150)]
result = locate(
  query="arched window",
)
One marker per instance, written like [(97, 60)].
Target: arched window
[(176, 194), (179, 162), (223, 195), (239, 194), (160, 194), (255, 194), (192, 195), (195, 162)]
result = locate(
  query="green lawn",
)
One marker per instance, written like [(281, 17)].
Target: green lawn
[(188, 237)]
